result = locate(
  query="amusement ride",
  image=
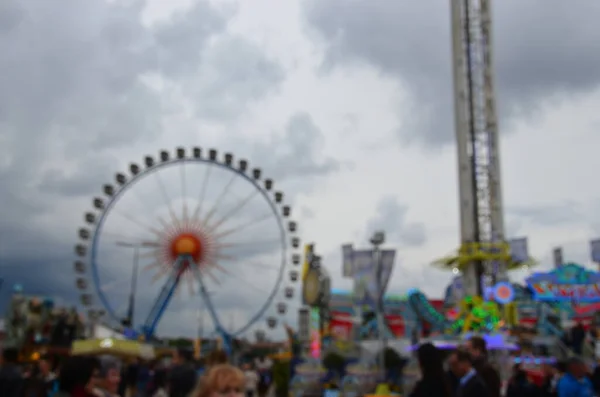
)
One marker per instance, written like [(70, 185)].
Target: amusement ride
[(197, 234)]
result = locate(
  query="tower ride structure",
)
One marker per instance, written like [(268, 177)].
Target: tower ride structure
[(476, 128)]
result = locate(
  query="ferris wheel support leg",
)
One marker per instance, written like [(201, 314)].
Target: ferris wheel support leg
[(226, 336), (162, 302)]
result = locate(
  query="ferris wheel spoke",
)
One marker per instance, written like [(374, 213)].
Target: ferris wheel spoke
[(113, 285), (122, 237), (248, 283), (169, 230), (225, 246), (211, 276), (217, 266), (190, 284), (165, 195), (184, 209), (154, 265), (218, 201), (198, 209), (237, 208), (162, 271), (153, 253), (140, 224), (263, 266), (244, 226)]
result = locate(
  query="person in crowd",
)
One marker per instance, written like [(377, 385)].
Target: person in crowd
[(107, 383), (11, 378), (551, 376), (216, 357), (130, 379), (263, 366), (575, 382), (221, 380), (143, 377), (77, 377), (470, 383), (433, 382), (519, 385), (251, 380), (183, 374), (159, 384), (41, 381), (595, 378), (577, 338), (593, 336), (477, 347)]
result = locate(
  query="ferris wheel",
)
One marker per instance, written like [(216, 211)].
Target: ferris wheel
[(192, 219)]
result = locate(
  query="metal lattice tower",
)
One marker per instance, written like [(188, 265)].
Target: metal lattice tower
[(481, 211)]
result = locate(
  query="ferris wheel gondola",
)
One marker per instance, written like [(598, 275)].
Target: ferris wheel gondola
[(193, 244)]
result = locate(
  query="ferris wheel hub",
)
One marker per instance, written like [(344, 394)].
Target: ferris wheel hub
[(187, 244)]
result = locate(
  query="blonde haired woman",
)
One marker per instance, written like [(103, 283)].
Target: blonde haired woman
[(221, 380)]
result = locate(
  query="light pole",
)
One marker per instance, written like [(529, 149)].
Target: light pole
[(377, 240), (134, 275)]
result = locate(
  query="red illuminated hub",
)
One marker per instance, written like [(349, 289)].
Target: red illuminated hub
[(189, 245)]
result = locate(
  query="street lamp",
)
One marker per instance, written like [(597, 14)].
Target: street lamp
[(377, 240), (128, 321)]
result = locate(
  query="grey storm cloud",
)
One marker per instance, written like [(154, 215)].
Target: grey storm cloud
[(535, 59), (82, 81), (390, 217)]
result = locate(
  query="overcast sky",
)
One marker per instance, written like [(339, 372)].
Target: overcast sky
[(345, 103)]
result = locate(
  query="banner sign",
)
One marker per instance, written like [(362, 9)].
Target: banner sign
[(347, 261), (519, 250), (367, 289), (557, 255), (566, 283), (595, 249)]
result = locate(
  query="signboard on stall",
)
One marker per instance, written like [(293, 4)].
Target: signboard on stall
[(566, 283), (361, 265)]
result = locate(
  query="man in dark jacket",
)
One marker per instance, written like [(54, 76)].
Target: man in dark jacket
[(577, 338), (470, 383), (11, 378), (183, 374), (477, 347)]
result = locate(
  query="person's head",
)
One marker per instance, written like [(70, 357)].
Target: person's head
[(576, 367), (110, 374), (430, 361), (222, 380), (246, 367), (561, 367), (181, 356), (160, 379), (460, 362), (45, 364), (477, 347), (548, 370), (10, 356), (519, 373), (217, 357), (78, 372)]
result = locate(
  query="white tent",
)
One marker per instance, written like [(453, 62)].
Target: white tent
[(103, 332)]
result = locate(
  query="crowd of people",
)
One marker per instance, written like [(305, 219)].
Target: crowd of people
[(86, 376), (466, 372)]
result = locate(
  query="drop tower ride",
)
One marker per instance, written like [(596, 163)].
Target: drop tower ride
[(476, 128)]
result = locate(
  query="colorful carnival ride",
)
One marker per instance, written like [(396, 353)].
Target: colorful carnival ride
[(544, 305)]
